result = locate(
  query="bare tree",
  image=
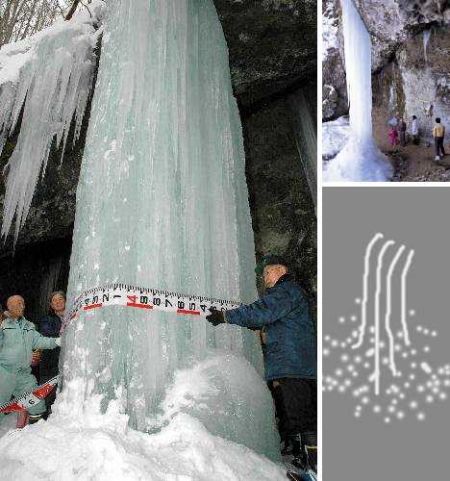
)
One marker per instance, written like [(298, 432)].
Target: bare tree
[(21, 18)]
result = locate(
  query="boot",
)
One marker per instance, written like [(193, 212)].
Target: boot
[(34, 418), (305, 450)]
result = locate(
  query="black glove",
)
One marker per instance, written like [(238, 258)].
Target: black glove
[(216, 317)]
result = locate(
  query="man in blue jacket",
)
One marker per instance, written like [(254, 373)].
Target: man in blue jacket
[(18, 338), (289, 346)]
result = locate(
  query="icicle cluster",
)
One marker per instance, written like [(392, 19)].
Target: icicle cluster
[(45, 83)]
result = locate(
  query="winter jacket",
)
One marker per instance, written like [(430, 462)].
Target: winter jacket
[(18, 337), (49, 326), (283, 312)]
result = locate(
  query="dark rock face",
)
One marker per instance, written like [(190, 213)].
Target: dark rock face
[(284, 220), (272, 47), (272, 44), (334, 88)]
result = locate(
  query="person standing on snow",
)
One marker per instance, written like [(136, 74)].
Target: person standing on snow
[(18, 338), (289, 352)]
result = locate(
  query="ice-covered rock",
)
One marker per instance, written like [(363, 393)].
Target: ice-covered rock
[(45, 81)]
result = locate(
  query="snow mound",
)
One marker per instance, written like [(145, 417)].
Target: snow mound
[(227, 395), (358, 161), (80, 442), (335, 135)]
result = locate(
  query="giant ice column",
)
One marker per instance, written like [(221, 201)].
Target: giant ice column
[(162, 202), (360, 159)]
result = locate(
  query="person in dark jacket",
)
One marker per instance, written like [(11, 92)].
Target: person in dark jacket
[(50, 326), (290, 357)]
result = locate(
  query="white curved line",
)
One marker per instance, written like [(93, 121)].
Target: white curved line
[(403, 297), (377, 315), (387, 319), (362, 328)]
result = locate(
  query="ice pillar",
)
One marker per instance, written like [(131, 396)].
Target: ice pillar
[(162, 202)]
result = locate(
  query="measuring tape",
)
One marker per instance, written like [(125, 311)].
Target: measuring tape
[(30, 399), (146, 299)]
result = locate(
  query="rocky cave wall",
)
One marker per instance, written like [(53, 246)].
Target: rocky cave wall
[(403, 79), (272, 56)]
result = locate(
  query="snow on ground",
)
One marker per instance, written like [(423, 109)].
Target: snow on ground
[(334, 136), (80, 443)]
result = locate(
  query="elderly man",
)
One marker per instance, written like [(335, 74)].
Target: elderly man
[(18, 338), (289, 347)]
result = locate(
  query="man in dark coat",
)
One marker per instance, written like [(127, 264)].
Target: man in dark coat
[(289, 347)]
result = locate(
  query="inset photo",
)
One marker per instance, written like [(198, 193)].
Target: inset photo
[(386, 362), (386, 86)]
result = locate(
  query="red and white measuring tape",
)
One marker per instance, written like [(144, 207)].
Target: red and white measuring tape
[(30, 399), (147, 299)]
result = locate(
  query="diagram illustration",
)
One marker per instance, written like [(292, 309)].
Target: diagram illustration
[(383, 360)]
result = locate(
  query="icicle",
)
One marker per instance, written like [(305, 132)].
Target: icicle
[(49, 78), (360, 160), (426, 39), (306, 140)]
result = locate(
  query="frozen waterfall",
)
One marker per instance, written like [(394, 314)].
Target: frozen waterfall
[(360, 159), (162, 202)]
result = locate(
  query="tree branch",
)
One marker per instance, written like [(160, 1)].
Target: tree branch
[(72, 9)]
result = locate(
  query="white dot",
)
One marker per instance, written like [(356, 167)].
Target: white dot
[(412, 312), (387, 420), (342, 320), (358, 300), (377, 409), (421, 416)]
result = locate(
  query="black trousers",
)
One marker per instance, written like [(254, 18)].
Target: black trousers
[(439, 145), (295, 404)]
